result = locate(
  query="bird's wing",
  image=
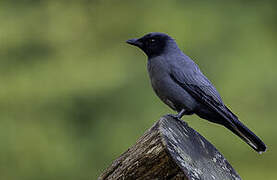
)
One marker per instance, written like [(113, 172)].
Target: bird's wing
[(199, 87)]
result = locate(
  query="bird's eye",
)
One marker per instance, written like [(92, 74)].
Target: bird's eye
[(152, 40)]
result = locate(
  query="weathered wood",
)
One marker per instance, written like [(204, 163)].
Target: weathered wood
[(171, 150)]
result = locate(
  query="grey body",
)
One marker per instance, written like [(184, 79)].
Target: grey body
[(175, 63), (180, 84), (159, 69)]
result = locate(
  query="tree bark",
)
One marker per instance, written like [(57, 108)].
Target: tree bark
[(170, 149)]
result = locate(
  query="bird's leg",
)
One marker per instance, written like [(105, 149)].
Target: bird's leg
[(179, 115)]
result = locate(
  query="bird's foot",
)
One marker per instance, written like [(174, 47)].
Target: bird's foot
[(179, 115), (175, 116)]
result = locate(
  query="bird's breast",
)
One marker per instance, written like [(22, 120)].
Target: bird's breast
[(167, 90)]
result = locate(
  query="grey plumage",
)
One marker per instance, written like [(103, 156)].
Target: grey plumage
[(180, 84)]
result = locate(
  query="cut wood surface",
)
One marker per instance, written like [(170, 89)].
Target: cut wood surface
[(171, 150)]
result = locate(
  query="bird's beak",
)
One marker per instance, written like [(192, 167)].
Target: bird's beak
[(134, 42)]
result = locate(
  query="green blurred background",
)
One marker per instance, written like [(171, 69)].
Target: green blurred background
[(74, 95)]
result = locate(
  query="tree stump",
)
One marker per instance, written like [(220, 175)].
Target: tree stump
[(170, 149)]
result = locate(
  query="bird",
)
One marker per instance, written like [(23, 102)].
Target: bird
[(178, 81)]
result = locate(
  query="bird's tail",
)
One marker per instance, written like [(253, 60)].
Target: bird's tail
[(245, 134)]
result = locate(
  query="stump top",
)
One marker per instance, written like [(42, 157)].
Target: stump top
[(197, 157), (171, 150)]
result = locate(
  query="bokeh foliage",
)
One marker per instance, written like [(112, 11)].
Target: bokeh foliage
[(74, 96)]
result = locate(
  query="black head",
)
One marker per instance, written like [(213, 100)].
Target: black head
[(153, 44)]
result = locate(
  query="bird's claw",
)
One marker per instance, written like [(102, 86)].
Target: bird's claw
[(175, 116)]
